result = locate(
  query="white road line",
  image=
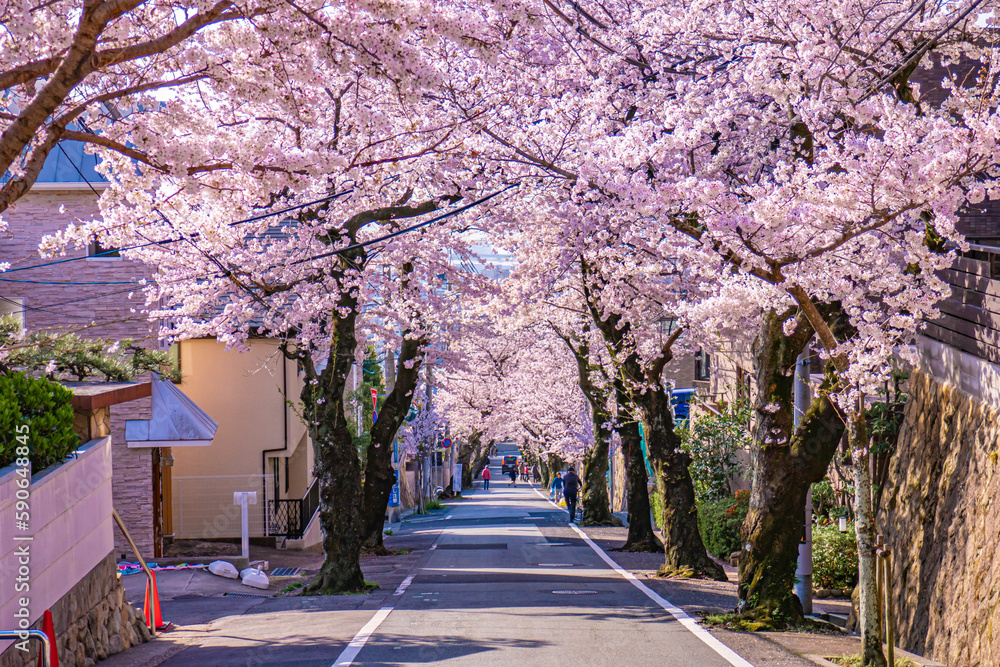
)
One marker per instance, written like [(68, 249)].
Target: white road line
[(678, 613), (403, 586), (348, 655), (542, 496), (351, 652)]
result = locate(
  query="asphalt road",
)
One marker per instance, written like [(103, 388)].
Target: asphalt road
[(500, 578), (509, 582)]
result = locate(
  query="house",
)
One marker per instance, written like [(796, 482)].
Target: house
[(261, 445), (163, 492), (81, 295)]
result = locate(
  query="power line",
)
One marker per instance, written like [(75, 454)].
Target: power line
[(407, 229), (166, 241), (49, 306), (70, 282)]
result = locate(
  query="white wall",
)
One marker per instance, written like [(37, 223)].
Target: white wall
[(71, 529), (969, 374)]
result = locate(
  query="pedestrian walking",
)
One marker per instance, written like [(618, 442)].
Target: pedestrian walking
[(512, 473), (524, 473), (571, 487), (486, 478), (535, 474), (555, 491)]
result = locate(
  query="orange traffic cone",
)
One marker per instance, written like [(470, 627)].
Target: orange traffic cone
[(152, 604), (48, 627)]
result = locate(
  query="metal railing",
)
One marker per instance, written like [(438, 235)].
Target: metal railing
[(46, 653), (145, 568), (290, 517), (886, 617)]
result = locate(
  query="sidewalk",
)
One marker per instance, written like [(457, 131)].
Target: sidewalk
[(700, 596)]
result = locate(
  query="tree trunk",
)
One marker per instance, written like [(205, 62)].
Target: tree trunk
[(555, 464), (864, 528), (337, 464), (641, 536), (682, 544), (379, 474), (783, 465), (469, 454), (596, 502)]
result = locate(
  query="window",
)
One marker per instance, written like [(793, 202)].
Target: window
[(13, 306), (702, 366), (97, 251), (742, 383)]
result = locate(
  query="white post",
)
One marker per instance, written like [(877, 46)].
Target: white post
[(244, 498), (804, 566)]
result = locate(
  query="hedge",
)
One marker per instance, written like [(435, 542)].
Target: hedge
[(44, 407), (720, 521), (835, 557)]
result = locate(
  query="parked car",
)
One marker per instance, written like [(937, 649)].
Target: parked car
[(509, 463)]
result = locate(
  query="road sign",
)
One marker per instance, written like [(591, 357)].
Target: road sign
[(446, 443), (374, 398), (394, 495)]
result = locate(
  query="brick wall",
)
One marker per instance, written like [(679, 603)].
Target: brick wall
[(109, 306), (33, 217), (132, 481)]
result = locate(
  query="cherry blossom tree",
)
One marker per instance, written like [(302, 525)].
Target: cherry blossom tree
[(792, 141), (336, 138), (66, 64)]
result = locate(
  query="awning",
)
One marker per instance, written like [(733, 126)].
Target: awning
[(177, 421)]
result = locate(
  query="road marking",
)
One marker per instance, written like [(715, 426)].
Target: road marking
[(542, 496), (351, 652), (678, 613), (403, 586)]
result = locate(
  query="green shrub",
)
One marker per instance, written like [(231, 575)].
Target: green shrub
[(44, 407), (720, 521), (656, 504), (713, 440), (835, 557)]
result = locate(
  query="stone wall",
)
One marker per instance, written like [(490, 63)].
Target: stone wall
[(92, 621), (939, 514)]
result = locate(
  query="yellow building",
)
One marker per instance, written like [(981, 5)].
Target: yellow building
[(261, 444)]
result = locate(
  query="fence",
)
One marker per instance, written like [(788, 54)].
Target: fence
[(203, 505), (290, 517)]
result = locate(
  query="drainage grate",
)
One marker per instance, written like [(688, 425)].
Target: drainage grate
[(487, 545), (244, 595), (285, 571), (571, 592)]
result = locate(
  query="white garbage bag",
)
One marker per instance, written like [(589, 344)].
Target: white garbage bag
[(223, 569), (251, 576)]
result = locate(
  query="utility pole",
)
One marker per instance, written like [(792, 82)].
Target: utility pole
[(804, 566)]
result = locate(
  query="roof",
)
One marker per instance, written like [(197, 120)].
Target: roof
[(175, 420), (68, 163)]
